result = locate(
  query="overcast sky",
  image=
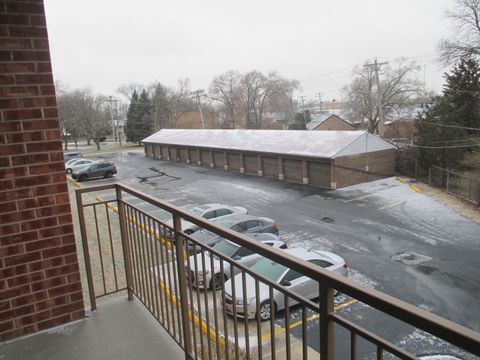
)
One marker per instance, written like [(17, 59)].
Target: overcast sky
[(103, 44)]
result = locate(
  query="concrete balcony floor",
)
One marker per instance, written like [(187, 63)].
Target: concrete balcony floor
[(120, 329)]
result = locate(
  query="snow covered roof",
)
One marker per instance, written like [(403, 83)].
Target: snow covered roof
[(322, 144), (317, 120)]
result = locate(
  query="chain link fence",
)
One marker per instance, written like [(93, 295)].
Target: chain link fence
[(462, 185)]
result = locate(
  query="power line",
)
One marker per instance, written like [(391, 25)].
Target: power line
[(449, 126), (444, 147)]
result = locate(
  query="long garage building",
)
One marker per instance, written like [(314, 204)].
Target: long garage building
[(327, 159)]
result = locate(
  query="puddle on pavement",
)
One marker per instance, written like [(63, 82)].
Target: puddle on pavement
[(144, 179), (410, 258)]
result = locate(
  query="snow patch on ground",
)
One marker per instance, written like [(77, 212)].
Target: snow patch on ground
[(361, 278)]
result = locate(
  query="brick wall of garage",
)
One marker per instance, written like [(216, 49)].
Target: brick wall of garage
[(344, 171), (350, 170)]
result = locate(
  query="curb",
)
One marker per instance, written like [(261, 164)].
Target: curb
[(413, 187)]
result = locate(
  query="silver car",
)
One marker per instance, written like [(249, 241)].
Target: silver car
[(77, 164), (208, 211), (211, 277), (279, 274)]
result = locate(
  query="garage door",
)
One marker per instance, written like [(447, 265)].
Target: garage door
[(183, 155), (293, 170), (251, 164), (270, 167), (319, 174), (193, 156), (205, 157), (164, 152), (157, 151), (218, 159), (233, 162), (173, 153)]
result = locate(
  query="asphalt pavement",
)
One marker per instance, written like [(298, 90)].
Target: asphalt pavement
[(394, 239)]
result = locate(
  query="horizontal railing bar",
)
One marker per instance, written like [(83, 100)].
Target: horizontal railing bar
[(100, 203), (456, 334), (111, 293), (386, 345), (96, 188)]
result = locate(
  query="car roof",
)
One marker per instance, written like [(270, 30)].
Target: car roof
[(306, 254), (260, 238), (209, 206), (231, 219)]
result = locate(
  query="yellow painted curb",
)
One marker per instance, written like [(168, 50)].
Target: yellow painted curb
[(403, 181), (74, 182), (413, 187)]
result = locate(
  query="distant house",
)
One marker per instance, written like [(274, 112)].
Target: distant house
[(328, 121)]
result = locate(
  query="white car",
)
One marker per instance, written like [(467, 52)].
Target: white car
[(76, 165), (279, 274), (213, 275), (208, 211)]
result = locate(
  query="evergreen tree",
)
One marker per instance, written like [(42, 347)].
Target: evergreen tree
[(131, 118), (441, 140), (139, 119)]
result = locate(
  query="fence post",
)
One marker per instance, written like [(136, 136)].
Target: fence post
[(470, 189), (86, 253), (182, 284), (327, 329), (125, 245), (448, 180)]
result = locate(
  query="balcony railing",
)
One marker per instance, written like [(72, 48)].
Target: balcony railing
[(126, 248)]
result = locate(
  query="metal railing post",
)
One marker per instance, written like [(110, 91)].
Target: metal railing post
[(125, 245), (182, 284), (86, 253), (327, 333), (448, 180)]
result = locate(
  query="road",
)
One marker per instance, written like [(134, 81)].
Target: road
[(394, 239)]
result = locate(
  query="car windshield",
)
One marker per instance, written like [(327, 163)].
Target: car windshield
[(269, 269), (226, 247), (195, 211)]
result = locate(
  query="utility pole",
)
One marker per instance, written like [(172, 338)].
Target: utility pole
[(381, 116), (320, 100), (302, 98), (114, 121), (200, 107)]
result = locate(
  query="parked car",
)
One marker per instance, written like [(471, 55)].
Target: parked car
[(210, 212), (243, 223), (213, 275), (76, 164), (279, 274), (95, 170), (71, 155)]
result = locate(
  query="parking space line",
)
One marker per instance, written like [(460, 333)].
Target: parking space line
[(392, 205), (281, 330)]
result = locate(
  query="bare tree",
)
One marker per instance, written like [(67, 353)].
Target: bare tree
[(398, 89), (127, 90), (225, 93), (465, 17)]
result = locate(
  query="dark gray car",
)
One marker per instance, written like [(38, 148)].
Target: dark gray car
[(243, 223), (95, 170)]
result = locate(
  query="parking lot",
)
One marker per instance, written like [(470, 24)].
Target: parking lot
[(396, 240)]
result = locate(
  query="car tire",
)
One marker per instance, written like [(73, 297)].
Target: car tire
[(108, 174), (69, 171), (216, 282), (264, 313), (82, 178)]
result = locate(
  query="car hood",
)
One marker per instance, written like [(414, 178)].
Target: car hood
[(204, 237), (250, 286)]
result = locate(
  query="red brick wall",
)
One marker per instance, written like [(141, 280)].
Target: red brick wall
[(39, 276), (350, 170)]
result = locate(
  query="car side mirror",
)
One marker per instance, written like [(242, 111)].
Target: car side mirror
[(237, 257), (286, 283)]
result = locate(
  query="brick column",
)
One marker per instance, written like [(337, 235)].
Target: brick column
[(281, 171), (188, 155), (260, 165), (39, 276), (225, 160), (305, 171), (242, 163), (212, 165), (199, 161)]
